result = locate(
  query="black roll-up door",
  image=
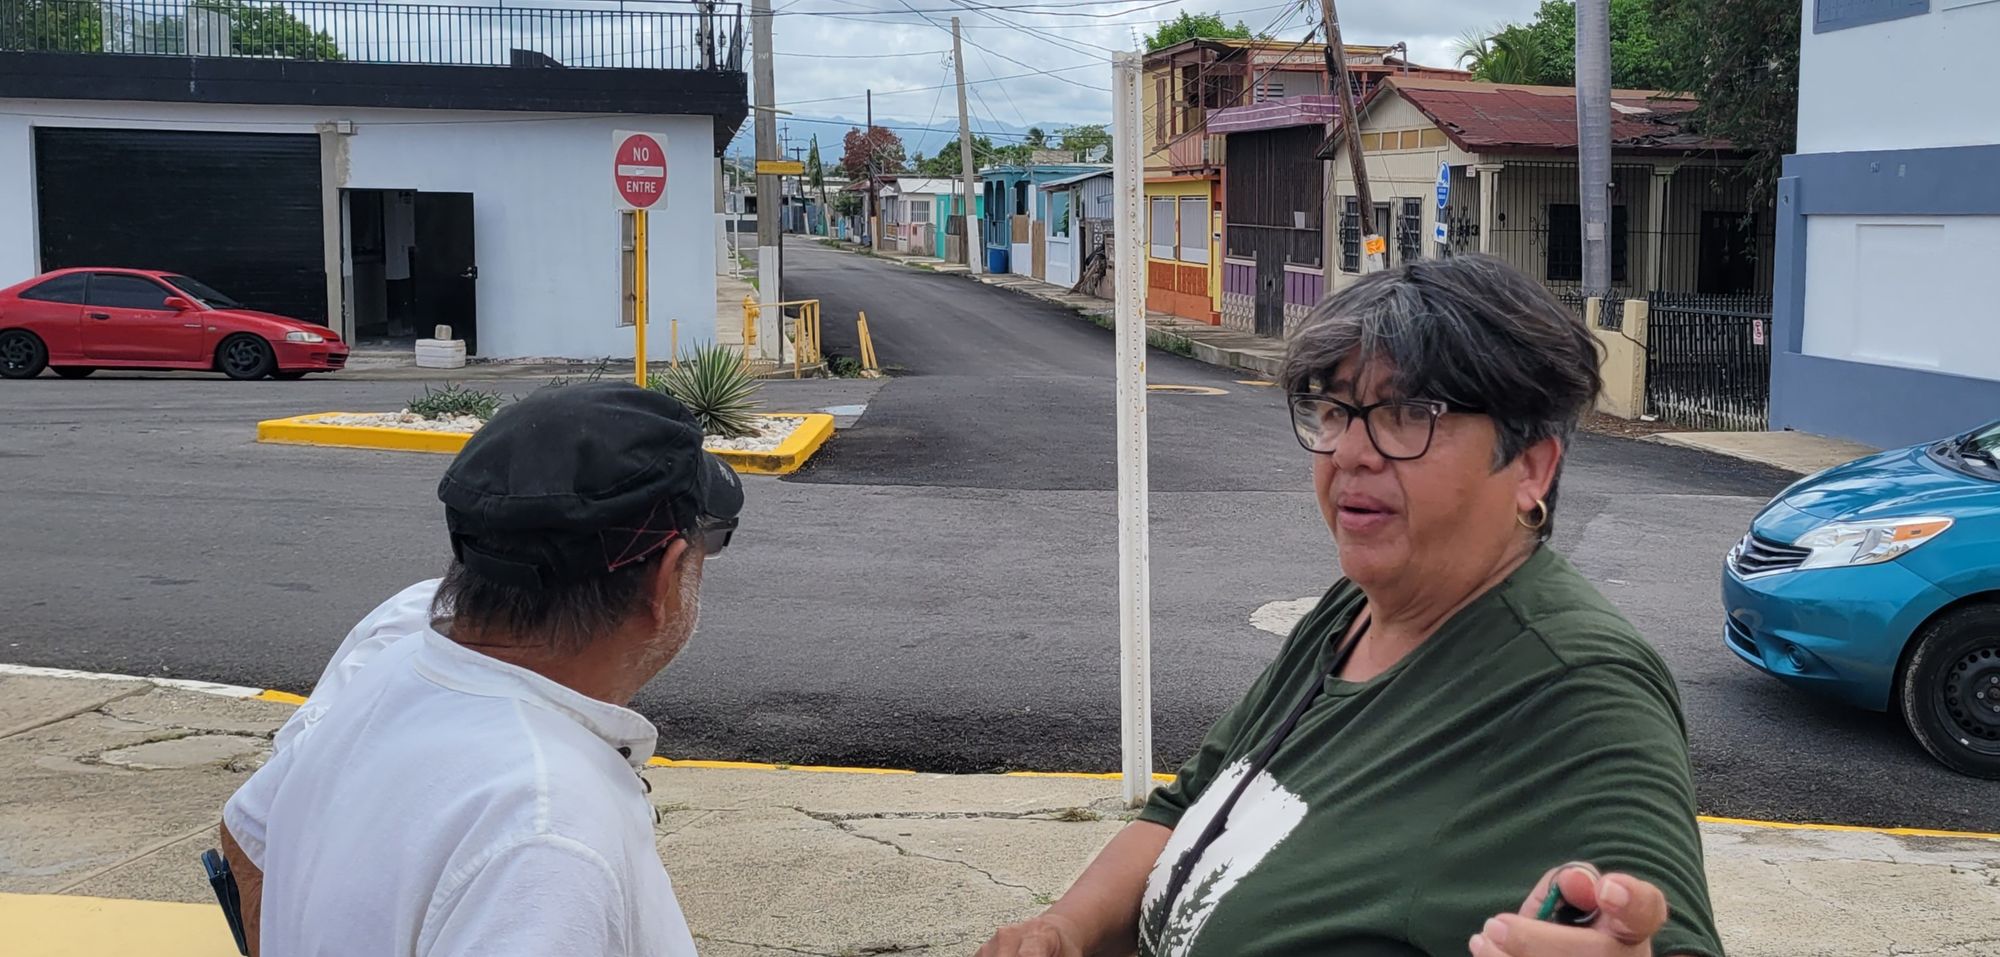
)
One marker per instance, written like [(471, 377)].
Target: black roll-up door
[(239, 211)]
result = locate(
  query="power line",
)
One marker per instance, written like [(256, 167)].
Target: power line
[(1066, 10), (927, 89), (979, 46), (1064, 42), (859, 56)]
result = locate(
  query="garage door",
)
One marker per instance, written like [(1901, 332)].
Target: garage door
[(239, 211)]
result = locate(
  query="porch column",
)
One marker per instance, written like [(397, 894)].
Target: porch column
[(1489, 186), (333, 242), (1656, 223)]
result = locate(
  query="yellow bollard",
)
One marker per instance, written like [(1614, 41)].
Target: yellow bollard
[(751, 312)]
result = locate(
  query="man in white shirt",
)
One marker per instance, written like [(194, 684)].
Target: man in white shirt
[(464, 779)]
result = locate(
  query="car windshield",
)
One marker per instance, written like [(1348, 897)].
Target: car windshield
[(1980, 448), (203, 294)]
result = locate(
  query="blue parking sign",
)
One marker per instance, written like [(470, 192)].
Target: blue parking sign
[(1444, 184)]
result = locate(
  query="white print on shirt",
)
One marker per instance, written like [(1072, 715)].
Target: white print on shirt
[(1263, 817)]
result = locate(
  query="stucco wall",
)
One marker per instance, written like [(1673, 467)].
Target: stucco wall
[(1942, 88)]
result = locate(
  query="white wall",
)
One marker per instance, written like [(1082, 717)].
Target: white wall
[(1921, 81), (546, 230), (1912, 291)]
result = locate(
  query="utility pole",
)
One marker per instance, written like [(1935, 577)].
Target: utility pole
[(868, 213), (1374, 248), (974, 244), (1593, 141), (1128, 258), (770, 271)]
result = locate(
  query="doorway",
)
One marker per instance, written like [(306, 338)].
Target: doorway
[(409, 266)]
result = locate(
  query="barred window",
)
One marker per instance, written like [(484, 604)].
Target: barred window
[(1410, 231), (1350, 234)]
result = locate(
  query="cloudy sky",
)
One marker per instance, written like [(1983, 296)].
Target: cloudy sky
[(1036, 62)]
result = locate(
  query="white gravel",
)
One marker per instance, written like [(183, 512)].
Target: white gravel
[(775, 428)]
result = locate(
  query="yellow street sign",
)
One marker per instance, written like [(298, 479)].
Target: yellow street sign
[(1377, 246), (780, 168)]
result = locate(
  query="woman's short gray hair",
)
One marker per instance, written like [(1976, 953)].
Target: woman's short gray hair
[(1469, 330)]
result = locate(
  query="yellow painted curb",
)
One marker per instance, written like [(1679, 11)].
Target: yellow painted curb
[(282, 697), (1852, 828), (788, 457), (50, 925)]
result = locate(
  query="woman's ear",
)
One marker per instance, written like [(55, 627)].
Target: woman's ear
[(1538, 464)]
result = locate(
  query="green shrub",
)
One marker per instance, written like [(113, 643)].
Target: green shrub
[(714, 385), (455, 399)]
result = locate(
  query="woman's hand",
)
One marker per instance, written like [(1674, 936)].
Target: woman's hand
[(1048, 935), (1630, 912)]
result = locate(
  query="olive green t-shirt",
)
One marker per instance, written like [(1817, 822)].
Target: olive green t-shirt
[(1534, 727)]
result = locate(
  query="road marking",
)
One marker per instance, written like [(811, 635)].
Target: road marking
[(1279, 617), (286, 697), (49, 925), (1262, 383), (1186, 389)]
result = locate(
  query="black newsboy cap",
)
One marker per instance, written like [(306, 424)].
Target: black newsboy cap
[(576, 481)]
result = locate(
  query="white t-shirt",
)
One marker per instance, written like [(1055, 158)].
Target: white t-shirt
[(429, 800)]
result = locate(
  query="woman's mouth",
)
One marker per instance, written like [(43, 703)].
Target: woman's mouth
[(1361, 513)]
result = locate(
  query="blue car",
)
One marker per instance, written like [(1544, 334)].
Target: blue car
[(1878, 583)]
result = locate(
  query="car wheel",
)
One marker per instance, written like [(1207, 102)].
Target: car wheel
[(1951, 690), (22, 355), (245, 357), (74, 372), (288, 376)]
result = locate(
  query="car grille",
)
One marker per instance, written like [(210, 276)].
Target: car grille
[(333, 359), (1740, 637), (1757, 555)]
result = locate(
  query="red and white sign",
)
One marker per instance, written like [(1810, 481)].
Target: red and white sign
[(638, 169)]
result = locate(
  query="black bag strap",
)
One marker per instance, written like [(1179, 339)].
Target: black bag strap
[(1177, 878)]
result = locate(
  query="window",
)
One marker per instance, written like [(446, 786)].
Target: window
[(1350, 234), (1059, 214), (1162, 111), (920, 211), (126, 292), (1410, 231), (1564, 243), (60, 289), (1021, 198), (1194, 229), (1727, 259), (203, 293), (1163, 229)]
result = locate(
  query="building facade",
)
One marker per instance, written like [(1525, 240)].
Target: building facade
[(398, 187), (1889, 226)]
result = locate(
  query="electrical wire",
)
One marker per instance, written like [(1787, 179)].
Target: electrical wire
[(927, 89), (980, 46)]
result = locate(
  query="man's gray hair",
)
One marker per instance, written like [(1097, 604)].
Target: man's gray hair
[(1469, 330)]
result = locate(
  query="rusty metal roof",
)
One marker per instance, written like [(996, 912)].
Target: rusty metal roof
[(1506, 117)]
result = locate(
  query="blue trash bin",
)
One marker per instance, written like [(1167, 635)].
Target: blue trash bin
[(996, 260)]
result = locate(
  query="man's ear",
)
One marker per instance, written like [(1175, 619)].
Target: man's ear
[(666, 578)]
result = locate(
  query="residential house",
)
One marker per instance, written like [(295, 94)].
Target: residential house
[(1188, 88), (1681, 218), (1889, 227), (917, 215), (1079, 221), (407, 184), (1012, 206)]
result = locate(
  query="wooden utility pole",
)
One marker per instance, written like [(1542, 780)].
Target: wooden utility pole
[(868, 212), (966, 169), (1374, 248)]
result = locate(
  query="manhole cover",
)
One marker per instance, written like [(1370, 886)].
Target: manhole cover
[(1186, 390)]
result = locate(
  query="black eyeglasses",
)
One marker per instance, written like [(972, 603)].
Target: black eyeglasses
[(712, 534), (1401, 429)]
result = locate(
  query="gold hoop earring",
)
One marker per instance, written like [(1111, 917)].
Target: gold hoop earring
[(1541, 514)]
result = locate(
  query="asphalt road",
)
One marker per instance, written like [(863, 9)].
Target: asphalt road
[(935, 591)]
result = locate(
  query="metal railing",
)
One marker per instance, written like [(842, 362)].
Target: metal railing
[(1708, 360), (591, 34)]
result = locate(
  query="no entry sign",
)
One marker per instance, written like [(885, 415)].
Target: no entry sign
[(638, 169)]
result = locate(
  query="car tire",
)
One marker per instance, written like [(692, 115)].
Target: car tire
[(1950, 690), (74, 372), (22, 354), (288, 376), (245, 357)]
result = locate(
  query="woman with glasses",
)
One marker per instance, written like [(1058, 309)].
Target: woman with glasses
[(1463, 723)]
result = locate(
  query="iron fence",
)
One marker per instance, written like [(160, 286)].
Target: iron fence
[(621, 34), (1708, 360)]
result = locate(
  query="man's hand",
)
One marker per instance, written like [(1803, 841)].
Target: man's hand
[(1630, 912), (1048, 935)]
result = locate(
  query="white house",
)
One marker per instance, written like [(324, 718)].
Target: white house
[(404, 185), (1889, 226)]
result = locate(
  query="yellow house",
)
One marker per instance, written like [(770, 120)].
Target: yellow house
[(1183, 171)]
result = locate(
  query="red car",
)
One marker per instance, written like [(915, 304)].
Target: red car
[(77, 321)]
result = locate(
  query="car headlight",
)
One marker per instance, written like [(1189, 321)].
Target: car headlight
[(1867, 543), (303, 336)]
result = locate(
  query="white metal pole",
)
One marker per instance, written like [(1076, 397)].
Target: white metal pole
[(1135, 628)]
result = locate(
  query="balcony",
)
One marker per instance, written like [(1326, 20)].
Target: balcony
[(600, 35), (1195, 153), (602, 56)]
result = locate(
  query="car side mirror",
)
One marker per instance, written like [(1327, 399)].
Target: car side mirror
[(178, 304)]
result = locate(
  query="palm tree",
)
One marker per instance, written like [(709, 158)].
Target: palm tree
[(1508, 55)]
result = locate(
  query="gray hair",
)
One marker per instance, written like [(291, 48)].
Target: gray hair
[(1469, 330), (564, 618)]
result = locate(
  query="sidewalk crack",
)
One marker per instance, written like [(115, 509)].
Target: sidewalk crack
[(844, 824), (76, 712)]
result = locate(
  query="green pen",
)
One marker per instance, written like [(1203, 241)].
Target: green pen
[(1558, 909)]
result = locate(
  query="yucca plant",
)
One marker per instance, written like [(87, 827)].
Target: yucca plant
[(714, 385), (455, 399)]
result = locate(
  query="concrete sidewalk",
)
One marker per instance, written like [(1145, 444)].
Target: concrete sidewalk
[(111, 790), (1800, 452)]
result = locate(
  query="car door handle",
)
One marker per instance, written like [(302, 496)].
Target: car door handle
[(100, 315), (190, 325)]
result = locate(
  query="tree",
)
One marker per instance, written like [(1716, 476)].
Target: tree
[(1740, 60), (1508, 55), (877, 151), (1543, 50), (257, 30), (1189, 26), (54, 26), (1082, 143), (1036, 138), (816, 172)]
